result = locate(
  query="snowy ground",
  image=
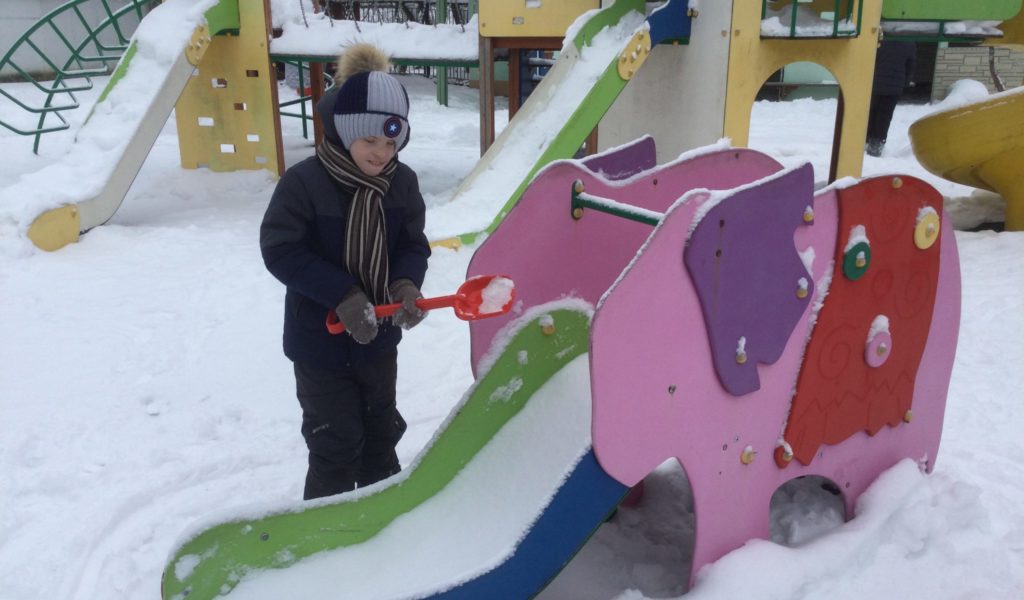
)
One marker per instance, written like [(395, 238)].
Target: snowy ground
[(142, 387)]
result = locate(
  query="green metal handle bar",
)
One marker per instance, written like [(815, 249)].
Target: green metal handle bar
[(47, 90), (581, 200), (44, 109), (99, 46), (64, 125), (64, 73)]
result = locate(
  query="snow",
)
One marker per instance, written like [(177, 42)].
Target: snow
[(858, 235), (963, 28), (143, 389), (809, 23), (879, 324), (496, 295), (174, 21), (926, 212)]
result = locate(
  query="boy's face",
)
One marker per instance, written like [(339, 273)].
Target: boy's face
[(372, 154)]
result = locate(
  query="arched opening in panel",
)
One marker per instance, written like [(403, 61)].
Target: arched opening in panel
[(805, 508), (796, 118)]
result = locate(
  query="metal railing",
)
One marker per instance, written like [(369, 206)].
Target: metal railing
[(400, 11), (814, 18)]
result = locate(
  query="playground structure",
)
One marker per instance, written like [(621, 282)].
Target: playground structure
[(708, 379), (689, 85), (706, 285)]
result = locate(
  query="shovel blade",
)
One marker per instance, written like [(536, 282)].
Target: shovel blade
[(483, 297)]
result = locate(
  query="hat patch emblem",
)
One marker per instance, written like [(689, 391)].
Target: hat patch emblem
[(393, 127)]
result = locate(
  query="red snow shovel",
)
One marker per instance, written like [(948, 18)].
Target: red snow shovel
[(467, 302)]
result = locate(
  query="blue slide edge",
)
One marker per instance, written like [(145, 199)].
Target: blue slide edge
[(580, 506)]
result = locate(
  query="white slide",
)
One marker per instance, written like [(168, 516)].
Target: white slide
[(569, 89)]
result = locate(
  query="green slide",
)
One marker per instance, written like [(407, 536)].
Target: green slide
[(215, 560)]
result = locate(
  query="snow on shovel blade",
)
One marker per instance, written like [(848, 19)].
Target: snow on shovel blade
[(477, 298)]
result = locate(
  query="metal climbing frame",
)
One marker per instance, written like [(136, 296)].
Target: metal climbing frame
[(93, 47), (305, 95)]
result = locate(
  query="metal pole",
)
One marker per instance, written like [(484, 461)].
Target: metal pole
[(440, 16)]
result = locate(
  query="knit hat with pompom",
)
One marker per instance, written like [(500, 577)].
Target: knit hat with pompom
[(370, 103)]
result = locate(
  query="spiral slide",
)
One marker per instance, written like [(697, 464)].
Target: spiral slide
[(980, 145)]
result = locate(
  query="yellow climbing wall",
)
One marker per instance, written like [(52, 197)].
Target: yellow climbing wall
[(226, 116), (851, 60)]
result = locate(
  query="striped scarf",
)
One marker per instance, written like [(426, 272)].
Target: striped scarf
[(366, 250)]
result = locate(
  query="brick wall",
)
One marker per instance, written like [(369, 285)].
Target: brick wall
[(955, 63)]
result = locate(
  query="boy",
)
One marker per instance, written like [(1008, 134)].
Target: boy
[(344, 231)]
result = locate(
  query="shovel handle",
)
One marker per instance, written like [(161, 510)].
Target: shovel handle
[(335, 326)]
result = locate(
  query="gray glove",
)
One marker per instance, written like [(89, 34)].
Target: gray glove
[(405, 292), (356, 313)]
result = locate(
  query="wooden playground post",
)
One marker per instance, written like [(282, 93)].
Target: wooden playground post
[(486, 94), (507, 25)]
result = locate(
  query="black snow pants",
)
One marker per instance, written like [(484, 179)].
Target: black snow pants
[(879, 118), (351, 424)]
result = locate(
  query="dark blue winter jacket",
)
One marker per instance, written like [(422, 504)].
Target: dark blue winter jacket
[(302, 241)]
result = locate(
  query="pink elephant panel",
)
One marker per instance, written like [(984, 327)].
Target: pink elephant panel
[(550, 255), (657, 396)]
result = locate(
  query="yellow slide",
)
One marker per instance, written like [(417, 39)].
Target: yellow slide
[(980, 145)]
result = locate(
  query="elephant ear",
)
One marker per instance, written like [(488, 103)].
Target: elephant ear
[(752, 284)]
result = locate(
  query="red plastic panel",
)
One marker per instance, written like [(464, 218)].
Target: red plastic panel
[(838, 392)]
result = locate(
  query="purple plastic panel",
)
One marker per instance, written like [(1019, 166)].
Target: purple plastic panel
[(747, 272), (624, 161)]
